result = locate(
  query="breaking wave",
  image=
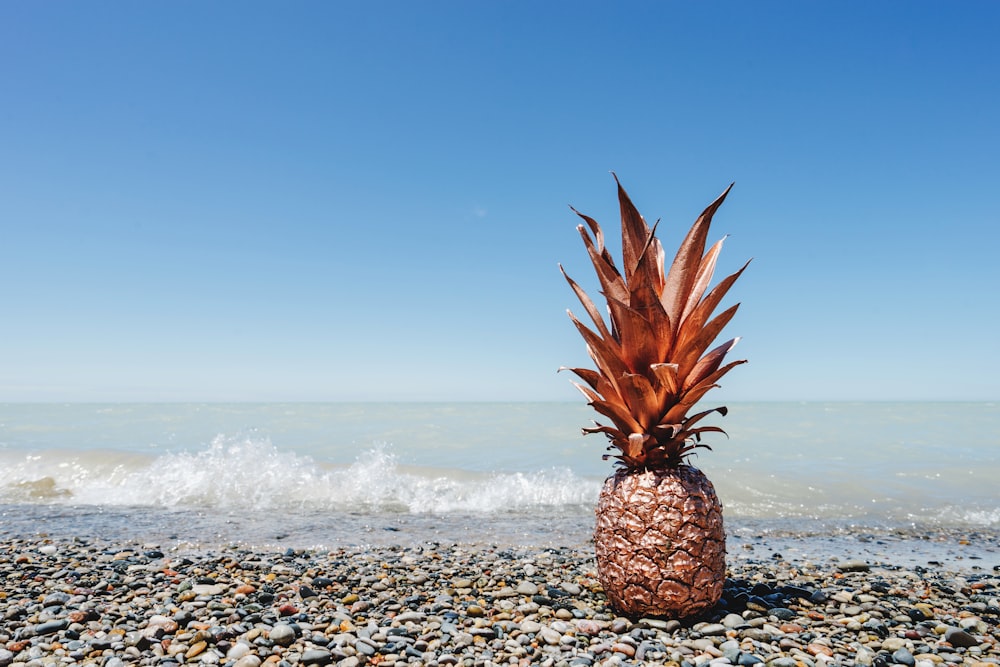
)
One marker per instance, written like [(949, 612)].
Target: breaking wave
[(248, 472)]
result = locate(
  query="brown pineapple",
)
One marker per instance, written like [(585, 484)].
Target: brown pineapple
[(660, 541)]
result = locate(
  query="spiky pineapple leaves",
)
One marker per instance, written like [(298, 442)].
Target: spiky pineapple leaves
[(652, 364)]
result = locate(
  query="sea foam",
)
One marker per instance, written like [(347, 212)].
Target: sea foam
[(247, 471)]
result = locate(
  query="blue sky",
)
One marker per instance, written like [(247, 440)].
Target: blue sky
[(369, 200)]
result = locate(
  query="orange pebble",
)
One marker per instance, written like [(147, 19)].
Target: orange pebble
[(819, 649)]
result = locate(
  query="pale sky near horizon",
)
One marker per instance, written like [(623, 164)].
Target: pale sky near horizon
[(369, 200)]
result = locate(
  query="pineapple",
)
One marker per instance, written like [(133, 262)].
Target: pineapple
[(659, 538)]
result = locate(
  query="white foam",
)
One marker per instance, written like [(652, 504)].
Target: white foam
[(249, 472)]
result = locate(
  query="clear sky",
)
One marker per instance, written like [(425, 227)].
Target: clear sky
[(369, 200)]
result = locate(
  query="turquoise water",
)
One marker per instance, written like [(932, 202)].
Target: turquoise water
[(452, 469)]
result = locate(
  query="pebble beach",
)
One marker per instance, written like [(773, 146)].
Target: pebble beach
[(85, 602)]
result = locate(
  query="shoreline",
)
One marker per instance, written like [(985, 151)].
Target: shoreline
[(82, 601), (959, 548)]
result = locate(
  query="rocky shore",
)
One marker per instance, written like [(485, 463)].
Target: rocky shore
[(83, 602)]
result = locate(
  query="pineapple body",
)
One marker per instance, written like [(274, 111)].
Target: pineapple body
[(660, 542)]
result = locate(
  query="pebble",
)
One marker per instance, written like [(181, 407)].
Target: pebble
[(282, 634), (79, 603), (957, 637), (526, 588)]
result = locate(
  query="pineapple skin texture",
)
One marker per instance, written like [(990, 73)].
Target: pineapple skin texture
[(660, 542)]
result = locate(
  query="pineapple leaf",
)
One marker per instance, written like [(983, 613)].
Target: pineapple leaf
[(695, 322), (689, 350), (709, 363), (667, 375), (588, 305), (636, 335), (605, 352), (652, 365), (589, 393), (642, 399), (706, 269), (619, 414), (607, 273), (683, 270)]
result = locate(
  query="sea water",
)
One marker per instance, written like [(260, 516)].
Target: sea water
[(318, 474)]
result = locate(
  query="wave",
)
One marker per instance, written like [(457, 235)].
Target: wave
[(248, 472)]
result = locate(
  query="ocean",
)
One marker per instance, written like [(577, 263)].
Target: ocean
[(314, 475)]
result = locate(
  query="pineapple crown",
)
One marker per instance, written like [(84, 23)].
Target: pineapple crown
[(652, 364)]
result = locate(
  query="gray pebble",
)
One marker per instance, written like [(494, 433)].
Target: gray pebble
[(282, 634), (903, 657), (316, 657)]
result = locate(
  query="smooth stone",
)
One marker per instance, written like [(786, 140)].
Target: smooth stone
[(282, 634), (960, 638), (550, 636), (893, 643), (414, 616), (55, 599), (864, 656), (207, 589), (730, 650), (747, 659), (756, 634), (781, 613), (237, 651), (366, 649), (782, 661), (316, 657), (49, 627), (712, 629), (624, 649), (876, 626), (973, 623), (703, 644), (247, 661), (619, 626), (196, 649), (903, 657), (733, 621), (797, 592), (462, 583), (530, 627), (854, 566)]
